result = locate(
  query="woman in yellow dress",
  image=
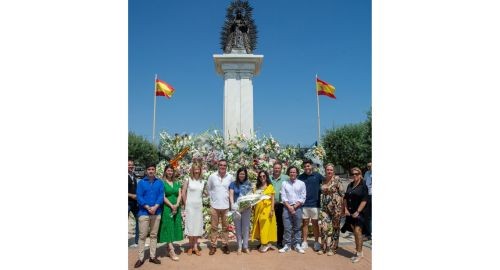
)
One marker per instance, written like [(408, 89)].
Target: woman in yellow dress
[(264, 220)]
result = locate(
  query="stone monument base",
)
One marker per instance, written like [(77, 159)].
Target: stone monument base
[(238, 70)]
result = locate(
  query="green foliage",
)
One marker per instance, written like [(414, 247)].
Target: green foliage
[(141, 150), (350, 145), (368, 127)]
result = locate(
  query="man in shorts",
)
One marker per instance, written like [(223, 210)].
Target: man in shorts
[(310, 210)]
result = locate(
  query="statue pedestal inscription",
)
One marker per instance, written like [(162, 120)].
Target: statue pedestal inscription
[(238, 70)]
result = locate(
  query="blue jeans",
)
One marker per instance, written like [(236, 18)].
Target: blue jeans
[(242, 224), (136, 240), (292, 224)]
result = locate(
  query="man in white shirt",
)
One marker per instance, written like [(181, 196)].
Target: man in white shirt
[(218, 190), (293, 195)]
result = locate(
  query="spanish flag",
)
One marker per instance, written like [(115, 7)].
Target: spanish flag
[(164, 89), (325, 89)]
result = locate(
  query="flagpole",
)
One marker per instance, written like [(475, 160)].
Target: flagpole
[(154, 110), (317, 99)]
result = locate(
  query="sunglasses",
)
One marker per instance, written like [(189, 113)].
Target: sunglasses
[(356, 174)]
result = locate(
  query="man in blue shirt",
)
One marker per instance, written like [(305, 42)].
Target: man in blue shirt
[(150, 193), (310, 211)]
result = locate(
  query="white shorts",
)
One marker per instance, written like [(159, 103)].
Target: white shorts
[(310, 212)]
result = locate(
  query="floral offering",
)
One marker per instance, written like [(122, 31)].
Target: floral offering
[(251, 152)]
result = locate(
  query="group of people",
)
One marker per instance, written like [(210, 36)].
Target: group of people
[(293, 202)]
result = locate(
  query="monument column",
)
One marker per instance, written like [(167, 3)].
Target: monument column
[(238, 70), (238, 65)]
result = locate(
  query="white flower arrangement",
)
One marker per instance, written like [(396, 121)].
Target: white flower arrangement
[(240, 151), (245, 202)]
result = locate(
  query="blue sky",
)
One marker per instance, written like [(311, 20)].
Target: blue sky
[(299, 39)]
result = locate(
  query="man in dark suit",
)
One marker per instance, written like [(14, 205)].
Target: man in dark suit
[(132, 199)]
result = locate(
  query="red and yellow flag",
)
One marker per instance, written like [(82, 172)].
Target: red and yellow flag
[(325, 89), (164, 89)]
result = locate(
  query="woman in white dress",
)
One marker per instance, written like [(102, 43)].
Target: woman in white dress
[(192, 192)]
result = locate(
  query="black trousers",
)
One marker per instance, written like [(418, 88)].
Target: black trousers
[(278, 210), (368, 215)]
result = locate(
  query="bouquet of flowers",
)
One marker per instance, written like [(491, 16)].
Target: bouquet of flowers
[(245, 202), (208, 147)]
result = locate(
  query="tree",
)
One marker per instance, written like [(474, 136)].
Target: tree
[(350, 145), (368, 130), (141, 150)]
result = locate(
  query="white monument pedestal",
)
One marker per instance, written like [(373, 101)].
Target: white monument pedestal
[(238, 70)]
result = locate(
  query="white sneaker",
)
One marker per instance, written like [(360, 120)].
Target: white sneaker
[(284, 249), (317, 246), (304, 245), (357, 257), (299, 249), (133, 246)]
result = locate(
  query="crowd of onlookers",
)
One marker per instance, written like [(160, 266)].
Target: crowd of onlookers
[(293, 202)]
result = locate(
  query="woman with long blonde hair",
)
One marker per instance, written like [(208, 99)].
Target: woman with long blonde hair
[(192, 192)]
